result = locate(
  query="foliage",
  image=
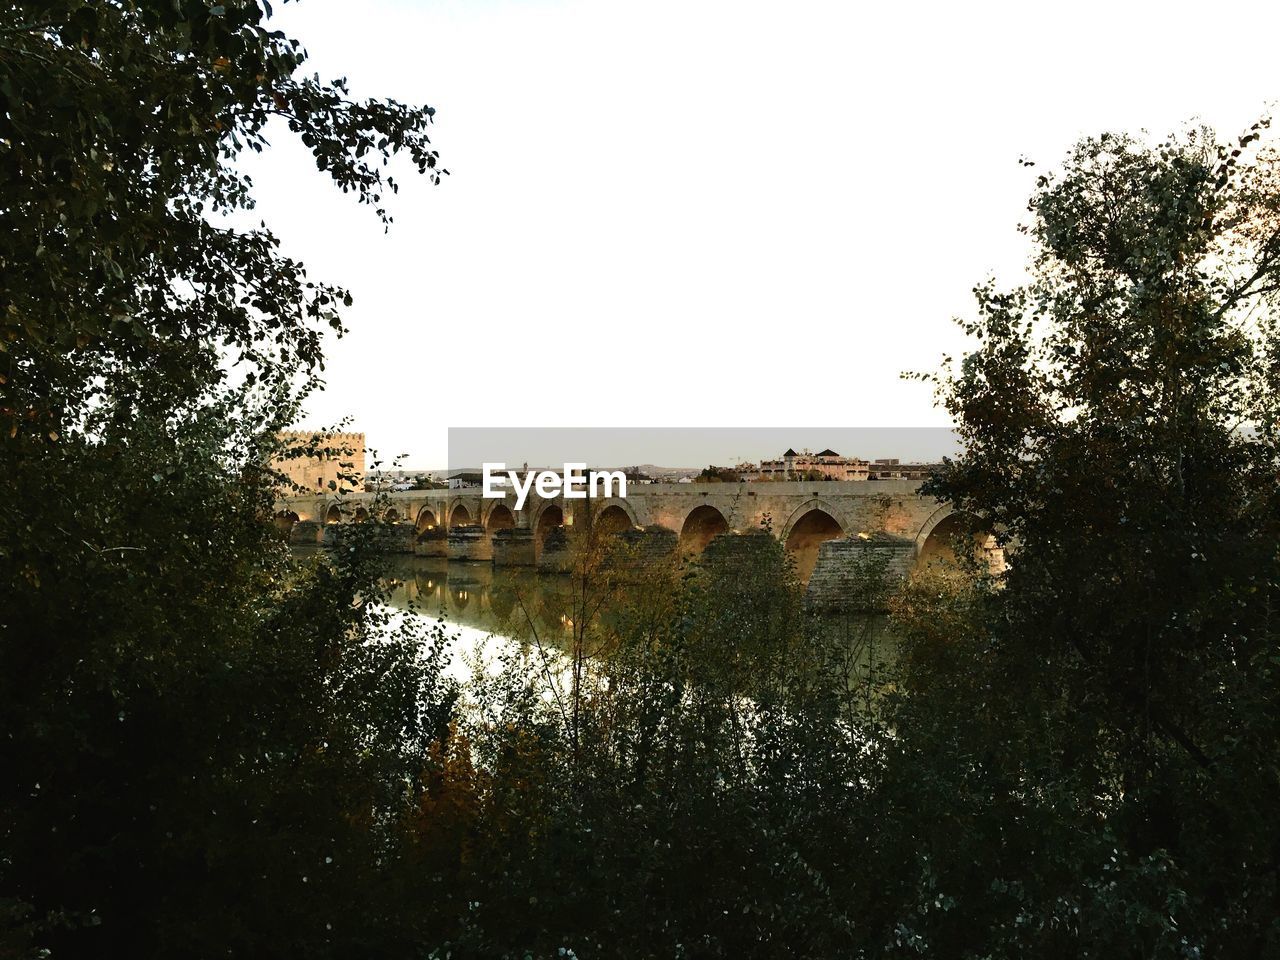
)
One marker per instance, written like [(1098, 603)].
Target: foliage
[(206, 745), (714, 474), (206, 742), (119, 126), (214, 747), (1119, 425), (649, 807)]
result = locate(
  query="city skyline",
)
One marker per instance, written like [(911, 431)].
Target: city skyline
[(685, 447)]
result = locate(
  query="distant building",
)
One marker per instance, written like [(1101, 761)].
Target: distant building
[(340, 463), (465, 479), (827, 465), (893, 469)]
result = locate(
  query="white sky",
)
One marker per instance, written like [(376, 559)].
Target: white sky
[(711, 213)]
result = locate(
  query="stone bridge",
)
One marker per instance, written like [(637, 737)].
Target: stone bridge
[(820, 522)]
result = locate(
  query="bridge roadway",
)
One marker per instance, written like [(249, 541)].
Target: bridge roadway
[(462, 524)]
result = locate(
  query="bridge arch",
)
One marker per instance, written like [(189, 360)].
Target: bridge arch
[(360, 515), (614, 515), (815, 503), (548, 517), (701, 524), (535, 510), (392, 515), (946, 530), (931, 522), (499, 517), (333, 514), (425, 520), (459, 515), (807, 529)]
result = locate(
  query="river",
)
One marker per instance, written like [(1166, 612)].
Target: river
[(487, 608)]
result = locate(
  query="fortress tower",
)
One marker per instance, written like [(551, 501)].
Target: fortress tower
[(340, 456)]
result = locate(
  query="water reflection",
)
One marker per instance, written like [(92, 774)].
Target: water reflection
[(504, 601), (482, 600)]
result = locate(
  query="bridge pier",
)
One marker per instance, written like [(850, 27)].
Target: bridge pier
[(854, 573), (470, 541), (306, 533), (649, 544), (554, 555), (400, 537), (432, 542), (514, 547)]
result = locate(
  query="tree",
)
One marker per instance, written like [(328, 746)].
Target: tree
[(207, 746), (1119, 423), (714, 474), (120, 124)]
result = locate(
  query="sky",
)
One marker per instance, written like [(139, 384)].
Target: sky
[(703, 213)]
